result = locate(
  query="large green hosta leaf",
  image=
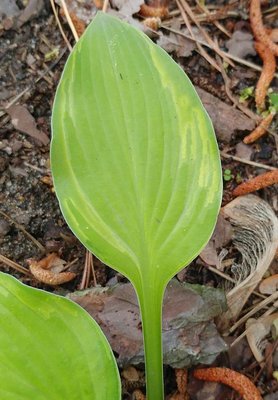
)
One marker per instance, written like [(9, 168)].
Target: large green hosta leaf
[(135, 163), (51, 349)]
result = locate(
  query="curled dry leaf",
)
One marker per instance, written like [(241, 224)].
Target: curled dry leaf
[(48, 270), (260, 130), (256, 332), (269, 285), (231, 378), (256, 238), (267, 74)]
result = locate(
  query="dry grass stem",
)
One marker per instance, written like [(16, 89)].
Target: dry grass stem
[(69, 20), (60, 26), (248, 162), (14, 265), (22, 229)]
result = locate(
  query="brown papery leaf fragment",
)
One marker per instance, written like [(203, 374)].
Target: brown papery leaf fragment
[(231, 378), (24, 122), (256, 332), (269, 67), (260, 130), (258, 28), (257, 183), (269, 285)]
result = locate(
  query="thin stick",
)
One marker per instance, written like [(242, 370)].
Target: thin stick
[(199, 46), (216, 23), (60, 26), (257, 308), (105, 5), (72, 27), (228, 278), (233, 99), (232, 57), (240, 337), (70, 264), (244, 161), (14, 265), (93, 269), (20, 227), (203, 31)]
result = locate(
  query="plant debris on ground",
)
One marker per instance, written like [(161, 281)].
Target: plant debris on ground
[(229, 51)]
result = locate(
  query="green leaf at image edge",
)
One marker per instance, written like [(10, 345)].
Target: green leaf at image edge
[(51, 349)]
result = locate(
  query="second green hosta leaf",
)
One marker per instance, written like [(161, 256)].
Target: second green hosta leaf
[(51, 349)]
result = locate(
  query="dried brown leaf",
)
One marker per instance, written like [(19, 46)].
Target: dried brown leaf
[(226, 119), (23, 121), (256, 332), (269, 285), (222, 235), (241, 44)]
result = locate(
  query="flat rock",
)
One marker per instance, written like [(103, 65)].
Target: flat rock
[(189, 334)]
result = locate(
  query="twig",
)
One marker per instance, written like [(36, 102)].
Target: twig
[(215, 22), (199, 46), (244, 161), (259, 182), (68, 18), (20, 227), (60, 26), (243, 334), (255, 309), (105, 5), (232, 57), (93, 269), (233, 99), (188, 10), (260, 130), (228, 278), (14, 265)]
